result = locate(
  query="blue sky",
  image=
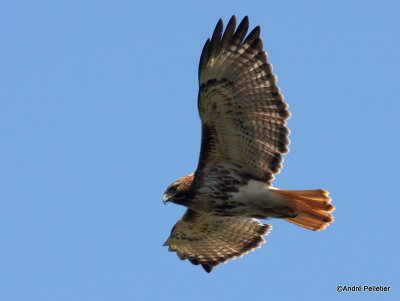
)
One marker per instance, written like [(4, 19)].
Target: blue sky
[(98, 116)]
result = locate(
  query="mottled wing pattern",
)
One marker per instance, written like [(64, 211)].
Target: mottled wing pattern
[(210, 240), (242, 110)]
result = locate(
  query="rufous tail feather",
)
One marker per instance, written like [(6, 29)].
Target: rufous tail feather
[(312, 207)]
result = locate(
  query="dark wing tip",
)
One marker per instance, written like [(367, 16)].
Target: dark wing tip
[(220, 39), (228, 33), (194, 261), (216, 39), (204, 56), (219, 26), (253, 35), (257, 44), (240, 32), (207, 267)]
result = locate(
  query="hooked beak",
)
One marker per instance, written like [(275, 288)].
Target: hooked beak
[(165, 199)]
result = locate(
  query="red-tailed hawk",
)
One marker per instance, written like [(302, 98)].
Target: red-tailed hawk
[(244, 135)]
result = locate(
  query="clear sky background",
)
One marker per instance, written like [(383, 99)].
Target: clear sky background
[(98, 116)]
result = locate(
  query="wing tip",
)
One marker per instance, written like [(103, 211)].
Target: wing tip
[(207, 267)]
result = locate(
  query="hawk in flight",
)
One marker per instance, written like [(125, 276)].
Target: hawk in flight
[(244, 136)]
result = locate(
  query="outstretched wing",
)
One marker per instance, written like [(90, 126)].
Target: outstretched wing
[(241, 108), (210, 240)]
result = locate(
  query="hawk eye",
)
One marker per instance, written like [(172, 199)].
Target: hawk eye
[(172, 189)]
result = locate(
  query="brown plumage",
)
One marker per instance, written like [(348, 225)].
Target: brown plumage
[(244, 137), (214, 239)]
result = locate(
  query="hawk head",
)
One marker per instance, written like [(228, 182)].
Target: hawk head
[(180, 191)]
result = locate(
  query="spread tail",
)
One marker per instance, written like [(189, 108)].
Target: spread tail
[(311, 206)]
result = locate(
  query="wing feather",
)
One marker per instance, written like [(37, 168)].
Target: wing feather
[(216, 39), (242, 111), (210, 240), (241, 31), (229, 31)]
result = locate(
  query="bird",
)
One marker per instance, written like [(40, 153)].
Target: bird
[(244, 137)]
